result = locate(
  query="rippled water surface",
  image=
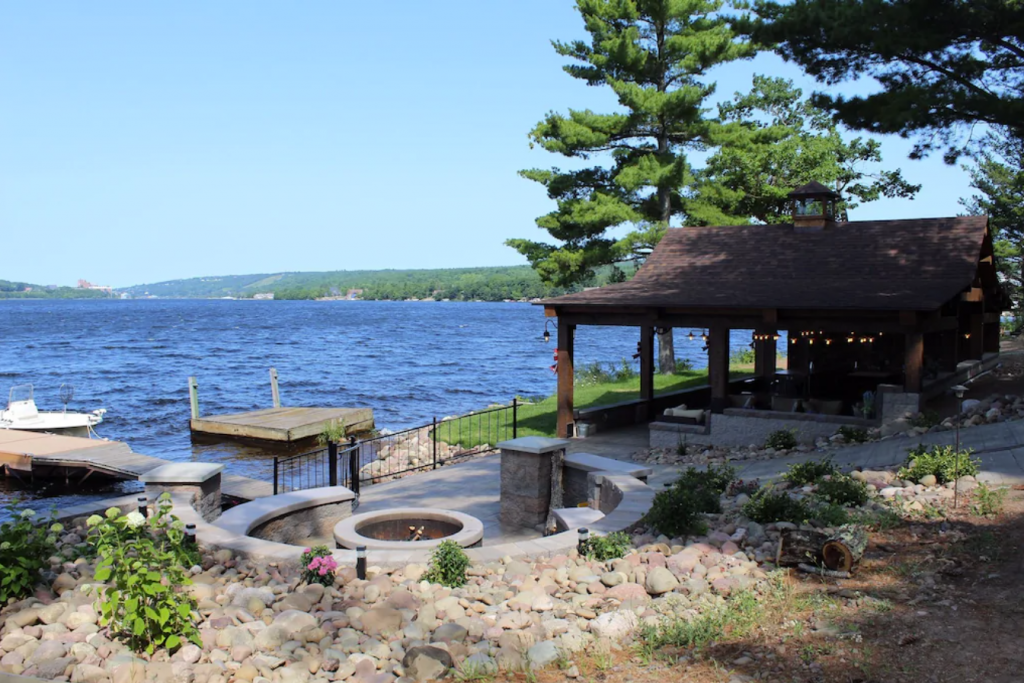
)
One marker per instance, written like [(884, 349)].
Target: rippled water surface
[(409, 361)]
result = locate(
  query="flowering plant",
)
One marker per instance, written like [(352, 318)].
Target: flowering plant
[(141, 560), (318, 565), (26, 544)]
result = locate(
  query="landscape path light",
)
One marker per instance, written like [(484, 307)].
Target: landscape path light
[(959, 390)]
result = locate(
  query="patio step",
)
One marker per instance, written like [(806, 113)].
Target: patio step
[(574, 518)]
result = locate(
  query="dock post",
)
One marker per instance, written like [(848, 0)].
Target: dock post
[(273, 388), (332, 463), (193, 396)]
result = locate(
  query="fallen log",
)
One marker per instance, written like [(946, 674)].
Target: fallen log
[(835, 549)]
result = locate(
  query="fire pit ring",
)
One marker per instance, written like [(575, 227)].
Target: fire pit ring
[(390, 529)]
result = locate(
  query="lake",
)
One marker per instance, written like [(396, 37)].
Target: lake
[(409, 361)]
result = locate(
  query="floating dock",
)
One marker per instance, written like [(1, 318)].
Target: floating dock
[(283, 425), (26, 455), (277, 424)]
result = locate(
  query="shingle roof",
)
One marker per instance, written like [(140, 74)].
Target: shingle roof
[(868, 265), (813, 188)]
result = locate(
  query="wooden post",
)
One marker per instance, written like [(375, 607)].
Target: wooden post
[(718, 367), (273, 388), (977, 338), (913, 360), (565, 378), (647, 369), (766, 356), (193, 396)]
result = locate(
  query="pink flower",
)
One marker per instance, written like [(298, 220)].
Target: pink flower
[(323, 571), (308, 550)]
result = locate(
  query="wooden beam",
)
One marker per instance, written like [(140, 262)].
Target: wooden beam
[(976, 342), (913, 360), (550, 312), (647, 366), (566, 332), (770, 316), (908, 318), (993, 317), (718, 368), (974, 294), (942, 324)]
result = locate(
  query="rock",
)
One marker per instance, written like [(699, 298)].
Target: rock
[(89, 673), (542, 654), (477, 666), (426, 663), (628, 591), (63, 582), (52, 668), (612, 579), (49, 614), (296, 601), (26, 617), (76, 620), (381, 620), (292, 621), (929, 480), (47, 650), (449, 633), (660, 580), (190, 653), (517, 568), (270, 639), (614, 625)]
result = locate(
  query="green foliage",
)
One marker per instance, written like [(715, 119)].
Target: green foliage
[(334, 431), (738, 486), (736, 617), (830, 514), (842, 489), (600, 373), (610, 547), (987, 502), (770, 141), (318, 565), (926, 419), (23, 290), (876, 520), (939, 77), (448, 565), (768, 505), (26, 544), (676, 511), (743, 357), (852, 434), (144, 601), (653, 56), (942, 461), (803, 473), (781, 439)]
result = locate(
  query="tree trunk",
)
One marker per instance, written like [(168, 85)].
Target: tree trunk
[(836, 549), (666, 353)]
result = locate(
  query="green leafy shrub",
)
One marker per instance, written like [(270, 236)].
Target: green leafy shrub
[(769, 506), (683, 366), (26, 544), (448, 565), (803, 473), (318, 565), (334, 431), (676, 511), (926, 419), (830, 514), (600, 373), (942, 461), (987, 502), (742, 357), (842, 489), (852, 434), (781, 439), (144, 602), (610, 547)]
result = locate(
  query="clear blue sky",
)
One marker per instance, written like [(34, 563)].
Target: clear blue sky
[(145, 141)]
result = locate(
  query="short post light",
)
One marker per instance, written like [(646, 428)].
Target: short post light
[(584, 541), (361, 562), (959, 390), (143, 506), (190, 535)]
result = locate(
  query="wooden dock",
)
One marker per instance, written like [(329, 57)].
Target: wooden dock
[(282, 425), (30, 454)]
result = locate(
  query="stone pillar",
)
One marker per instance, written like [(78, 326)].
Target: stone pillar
[(199, 479), (526, 479)]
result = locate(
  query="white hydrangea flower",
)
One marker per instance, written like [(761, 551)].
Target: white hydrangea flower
[(134, 519), (93, 521), (112, 513), (57, 528), (28, 514), (5, 545)]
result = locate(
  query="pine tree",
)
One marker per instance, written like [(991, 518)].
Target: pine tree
[(652, 54)]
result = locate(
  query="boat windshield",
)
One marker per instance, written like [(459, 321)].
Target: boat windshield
[(22, 392)]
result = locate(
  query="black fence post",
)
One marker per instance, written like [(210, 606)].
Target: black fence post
[(275, 475), (353, 464), (515, 417), (433, 438), (332, 463)]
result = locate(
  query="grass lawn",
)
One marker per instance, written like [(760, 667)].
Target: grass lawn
[(539, 419)]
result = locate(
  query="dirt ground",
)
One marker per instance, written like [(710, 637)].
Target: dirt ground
[(935, 599)]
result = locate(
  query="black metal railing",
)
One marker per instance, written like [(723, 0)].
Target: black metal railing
[(398, 454)]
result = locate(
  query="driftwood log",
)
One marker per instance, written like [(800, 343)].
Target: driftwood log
[(836, 549)]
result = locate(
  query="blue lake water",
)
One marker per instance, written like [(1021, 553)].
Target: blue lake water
[(409, 361)]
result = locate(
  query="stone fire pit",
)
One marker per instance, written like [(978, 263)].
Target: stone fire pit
[(408, 529)]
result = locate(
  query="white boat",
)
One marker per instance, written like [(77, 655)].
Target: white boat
[(21, 413)]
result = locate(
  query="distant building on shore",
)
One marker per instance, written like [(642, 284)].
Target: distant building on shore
[(265, 296), (85, 284)]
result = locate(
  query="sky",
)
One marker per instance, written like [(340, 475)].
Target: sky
[(142, 142)]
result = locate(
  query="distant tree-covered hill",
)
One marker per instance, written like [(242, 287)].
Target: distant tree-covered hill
[(24, 290), (459, 284)]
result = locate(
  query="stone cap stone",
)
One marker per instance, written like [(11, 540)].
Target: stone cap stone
[(588, 462), (182, 473), (534, 444)]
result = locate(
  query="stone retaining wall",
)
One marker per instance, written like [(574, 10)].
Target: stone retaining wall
[(307, 523), (740, 427)]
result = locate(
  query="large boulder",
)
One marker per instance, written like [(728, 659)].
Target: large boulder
[(660, 580), (614, 625), (426, 663)]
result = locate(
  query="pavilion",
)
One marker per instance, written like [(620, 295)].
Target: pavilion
[(901, 308)]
